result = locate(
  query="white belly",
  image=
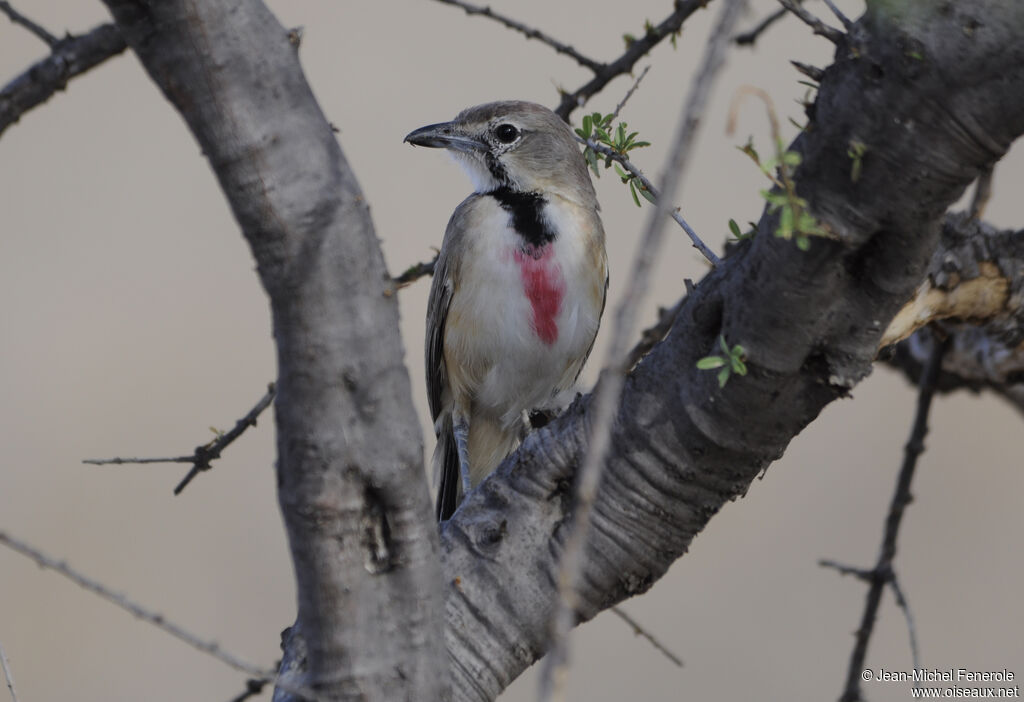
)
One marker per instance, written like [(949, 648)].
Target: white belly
[(522, 321)]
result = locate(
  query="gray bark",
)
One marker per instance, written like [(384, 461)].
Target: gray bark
[(936, 92), (350, 454)]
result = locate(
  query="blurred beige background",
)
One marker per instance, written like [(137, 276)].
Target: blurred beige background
[(132, 321)]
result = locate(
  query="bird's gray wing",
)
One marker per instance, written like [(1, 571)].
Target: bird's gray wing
[(446, 456)]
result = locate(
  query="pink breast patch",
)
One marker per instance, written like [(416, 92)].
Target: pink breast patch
[(544, 288)]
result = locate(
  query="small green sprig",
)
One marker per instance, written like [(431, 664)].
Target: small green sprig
[(795, 222), (732, 360), (599, 128)]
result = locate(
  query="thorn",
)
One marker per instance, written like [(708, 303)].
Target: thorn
[(812, 72)]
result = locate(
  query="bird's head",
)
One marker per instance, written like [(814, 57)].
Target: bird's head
[(513, 144)]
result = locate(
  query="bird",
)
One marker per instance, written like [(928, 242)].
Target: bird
[(519, 286)]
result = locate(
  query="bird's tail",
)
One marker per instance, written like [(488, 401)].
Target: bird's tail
[(446, 470), (490, 441)]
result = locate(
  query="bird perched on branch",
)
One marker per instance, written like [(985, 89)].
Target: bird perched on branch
[(519, 285)]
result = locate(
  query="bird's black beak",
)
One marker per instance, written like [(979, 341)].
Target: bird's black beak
[(445, 135)]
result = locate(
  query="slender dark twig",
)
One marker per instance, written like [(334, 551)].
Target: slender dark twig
[(673, 212), (528, 32), (750, 37), (204, 455), (158, 620), (624, 64), (606, 396), (36, 29), (904, 605), (831, 33), (882, 574), (629, 93), (253, 687), (843, 19), (655, 333), (415, 272), (639, 630), (71, 57)]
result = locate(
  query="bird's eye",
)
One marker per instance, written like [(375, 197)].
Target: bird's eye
[(506, 133)]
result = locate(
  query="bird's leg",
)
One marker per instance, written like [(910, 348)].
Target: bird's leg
[(461, 430)]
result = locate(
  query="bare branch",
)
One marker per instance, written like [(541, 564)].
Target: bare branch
[(904, 605), (205, 454), (629, 93), (646, 184), (606, 396), (8, 676), (624, 64), (639, 630), (750, 37), (843, 19), (416, 271), (831, 33), (36, 29), (71, 57), (528, 32), (210, 648), (882, 573)]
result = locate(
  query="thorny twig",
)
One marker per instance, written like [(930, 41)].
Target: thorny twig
[(528, 32), (882, 574), (204, 455), (639, 630), (606, 396), (633, 53), (646, 184), (71, 57), (36, 29), (629, 93), (158, 620), (749, 37), (831, 33), (415, 272)]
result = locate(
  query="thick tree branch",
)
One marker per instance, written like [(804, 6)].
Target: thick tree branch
[(350, 453), (71, 57), (935, 106), (634, 52)]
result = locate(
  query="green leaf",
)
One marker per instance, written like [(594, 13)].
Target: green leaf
[(592, 161), (710, 363), (735, 229), (723, 377), (739, 367), (632, 189), (791, 158), (803, 242), (588, 126), (724, 346), (626, 177), (785, 223), (648, 195)]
